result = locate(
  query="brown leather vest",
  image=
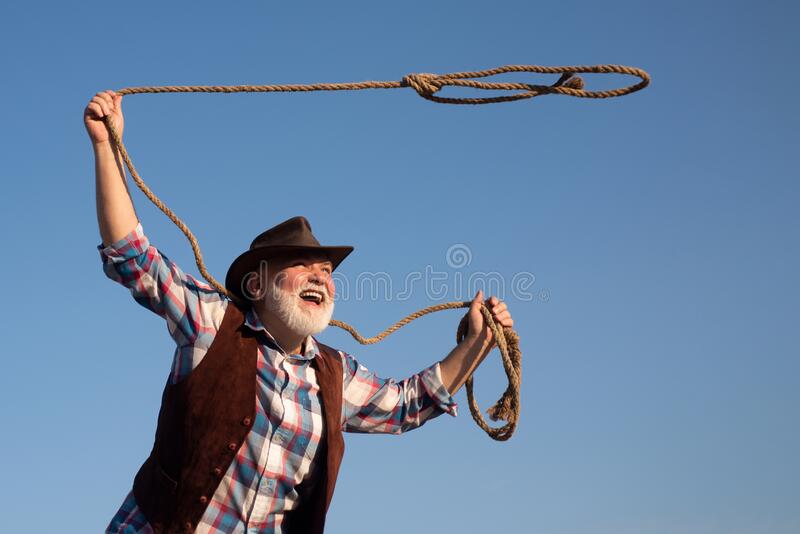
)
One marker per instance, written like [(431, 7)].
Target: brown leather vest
[(205, 418)]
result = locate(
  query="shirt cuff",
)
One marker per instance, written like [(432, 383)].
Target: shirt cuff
[(432, 382), (132, 245)]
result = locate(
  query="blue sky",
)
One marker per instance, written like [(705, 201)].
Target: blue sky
[(660, 365)]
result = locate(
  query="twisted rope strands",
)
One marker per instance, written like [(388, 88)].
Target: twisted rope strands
[(198, 256), (426, 85), (399, 324), (507, 408)]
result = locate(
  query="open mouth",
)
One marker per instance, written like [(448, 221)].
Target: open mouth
[(312, 296)]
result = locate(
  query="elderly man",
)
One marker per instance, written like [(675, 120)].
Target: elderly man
[(249, 435)]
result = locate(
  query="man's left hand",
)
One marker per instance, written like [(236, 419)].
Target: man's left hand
[(479, 331)]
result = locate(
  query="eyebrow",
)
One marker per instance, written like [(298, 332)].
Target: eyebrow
[(312, 259)]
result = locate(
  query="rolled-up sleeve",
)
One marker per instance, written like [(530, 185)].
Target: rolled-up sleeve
[(374, 404), (193, 310)]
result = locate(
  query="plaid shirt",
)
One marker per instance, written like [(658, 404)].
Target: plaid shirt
[(279, 453)]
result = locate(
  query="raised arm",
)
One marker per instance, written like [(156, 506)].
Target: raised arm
[(116, 216), (193, 310)]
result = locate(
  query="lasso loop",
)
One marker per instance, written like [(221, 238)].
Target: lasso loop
[(426, 86)]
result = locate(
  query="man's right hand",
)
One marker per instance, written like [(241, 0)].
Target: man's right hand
[(102, 104), (115, 214)]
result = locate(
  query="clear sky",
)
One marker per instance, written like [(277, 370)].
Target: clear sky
[(658, 234)]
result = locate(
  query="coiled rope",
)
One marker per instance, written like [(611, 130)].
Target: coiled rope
[(426, 85)]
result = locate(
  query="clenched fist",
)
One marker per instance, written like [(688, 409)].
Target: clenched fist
[(478, 329), (102, 104)]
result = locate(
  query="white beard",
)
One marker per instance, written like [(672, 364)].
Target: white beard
[(301, 320)]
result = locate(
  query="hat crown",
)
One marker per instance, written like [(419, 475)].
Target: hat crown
[(292, 236), (293, 232)]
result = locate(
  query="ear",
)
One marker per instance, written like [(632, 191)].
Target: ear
[(252, 286)]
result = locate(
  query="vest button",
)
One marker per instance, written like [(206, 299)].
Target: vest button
[(189, 526), (231, 446), (217, 471), (203, 499), (246, 421)]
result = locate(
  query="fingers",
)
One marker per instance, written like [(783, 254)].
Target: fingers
[(94, 110), (495, 305), (104, 103), (497, 308), (504, 319), (500, 312)]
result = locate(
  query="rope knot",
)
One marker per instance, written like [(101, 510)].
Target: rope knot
[(568, 79), (574, 82), (424, 84)]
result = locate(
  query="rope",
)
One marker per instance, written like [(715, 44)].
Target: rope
[(426, 85), (505, 409)]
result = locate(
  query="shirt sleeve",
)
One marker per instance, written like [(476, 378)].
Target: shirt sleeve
[(377, 405), (193, 310)]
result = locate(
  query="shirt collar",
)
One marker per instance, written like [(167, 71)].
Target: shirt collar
[(253, 322)]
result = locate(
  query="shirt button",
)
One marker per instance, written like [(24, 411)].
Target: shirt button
[(217, 471), (231, 446), (246, 421), (203, 499)]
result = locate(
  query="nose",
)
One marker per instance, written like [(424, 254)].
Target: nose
[(322, 278), (319, 275)]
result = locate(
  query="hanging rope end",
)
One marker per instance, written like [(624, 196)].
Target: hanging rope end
[(502, 411)]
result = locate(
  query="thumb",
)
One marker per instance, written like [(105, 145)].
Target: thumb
[(475, 305)]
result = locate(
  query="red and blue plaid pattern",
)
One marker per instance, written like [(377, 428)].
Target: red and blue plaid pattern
[(278, 455)]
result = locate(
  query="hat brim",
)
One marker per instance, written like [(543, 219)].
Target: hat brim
[(248, 262)]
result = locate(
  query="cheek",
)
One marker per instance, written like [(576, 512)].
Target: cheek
[(286, 281), (331, 288)]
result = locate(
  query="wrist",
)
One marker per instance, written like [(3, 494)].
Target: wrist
[(477, 341), (105, 148), (104, 144)]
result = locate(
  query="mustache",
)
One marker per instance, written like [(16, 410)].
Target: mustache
[(308, 286)]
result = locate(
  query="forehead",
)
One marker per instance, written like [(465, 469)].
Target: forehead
[(286, 260)]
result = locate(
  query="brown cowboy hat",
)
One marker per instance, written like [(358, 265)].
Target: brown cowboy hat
[(291, 236)]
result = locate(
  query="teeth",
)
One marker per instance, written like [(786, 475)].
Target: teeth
[(317, 295)]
